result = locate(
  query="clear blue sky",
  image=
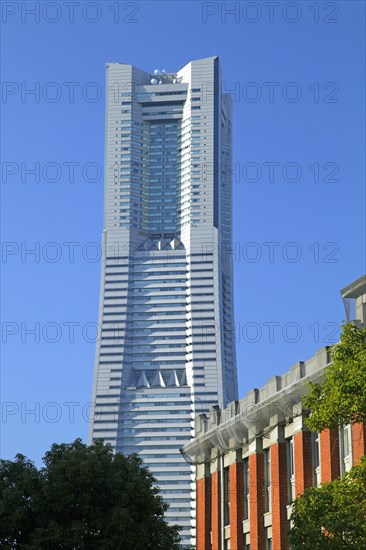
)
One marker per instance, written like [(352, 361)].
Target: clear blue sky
[(297, 77)]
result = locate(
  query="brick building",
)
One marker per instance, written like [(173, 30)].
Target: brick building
[(254, 457)]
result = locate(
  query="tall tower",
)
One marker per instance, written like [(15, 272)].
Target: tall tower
[(166, 351)]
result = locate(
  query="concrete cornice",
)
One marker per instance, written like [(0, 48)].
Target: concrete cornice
[(243, 421)]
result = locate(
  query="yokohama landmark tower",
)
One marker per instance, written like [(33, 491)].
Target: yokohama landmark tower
[(166, 350)]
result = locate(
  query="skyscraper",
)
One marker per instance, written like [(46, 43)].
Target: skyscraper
[(166, 350)]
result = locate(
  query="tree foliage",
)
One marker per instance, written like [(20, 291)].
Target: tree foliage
[(341, 397), (332, 516), (83, 498)]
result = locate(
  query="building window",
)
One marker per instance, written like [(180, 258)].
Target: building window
[(315, 458), (267, 480), (345, 448), (246, 488), (269, 544), (290, 469), (226, 496)]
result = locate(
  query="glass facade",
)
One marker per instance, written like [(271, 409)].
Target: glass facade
[(167, 345), (163, 178)]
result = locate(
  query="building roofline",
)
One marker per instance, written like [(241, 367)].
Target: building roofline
[(246, 419), (355, 289)]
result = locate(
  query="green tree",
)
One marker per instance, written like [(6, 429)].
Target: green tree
[(333, 516), (85, 497), (20, 481), (341, 397)]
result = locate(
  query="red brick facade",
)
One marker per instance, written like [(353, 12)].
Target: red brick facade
[(303, 462), (329, 455), (279, 496), (203, 496), (236, 504), (216, 512), (256, 501), (358, 441), (209, 526), (257, 455)]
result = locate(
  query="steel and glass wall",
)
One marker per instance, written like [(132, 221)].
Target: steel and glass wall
[(167, 348)]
